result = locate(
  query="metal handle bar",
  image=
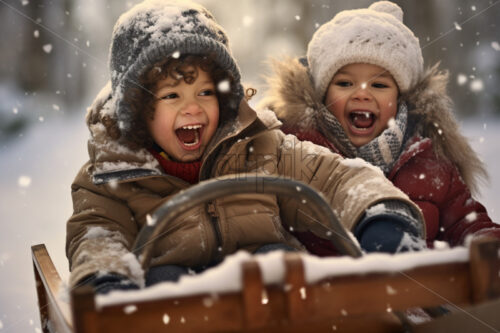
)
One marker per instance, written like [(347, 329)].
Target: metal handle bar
[(230, 185)]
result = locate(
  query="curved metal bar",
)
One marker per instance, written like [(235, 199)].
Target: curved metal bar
[(225, 186)]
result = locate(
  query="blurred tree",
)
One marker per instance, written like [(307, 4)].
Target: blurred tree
[(37, 52), (58, 48)]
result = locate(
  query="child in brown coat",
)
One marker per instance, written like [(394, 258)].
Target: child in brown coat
[(175, 115)]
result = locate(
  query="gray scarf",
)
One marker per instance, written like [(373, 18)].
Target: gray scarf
[(383, 151)]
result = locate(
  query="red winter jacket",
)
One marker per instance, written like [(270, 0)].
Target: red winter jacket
[(436, 170), (451, 214)]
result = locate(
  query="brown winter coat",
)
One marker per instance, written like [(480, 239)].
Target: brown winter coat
[(116, 190)]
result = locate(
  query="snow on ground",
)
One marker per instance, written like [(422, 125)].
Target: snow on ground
[(36, 171)]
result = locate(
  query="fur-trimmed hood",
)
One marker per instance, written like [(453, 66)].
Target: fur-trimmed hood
[(293, 98)]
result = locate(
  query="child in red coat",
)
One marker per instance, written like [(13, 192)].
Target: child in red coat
[(363, 92)]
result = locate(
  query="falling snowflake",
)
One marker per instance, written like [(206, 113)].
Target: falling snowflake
[(297, 17), (166, 319), (473, 8), (390, 290), (130, 309), (224, 86), (15, 110), (303, 293), (24, 181), (495, 46), (36, 33), (471, 217), (25, 2), (56, 107), (391, 123), (476, 85), (149, 220), (176, 55), (457, 26), (247, 21), (47, 48), (264, 298)]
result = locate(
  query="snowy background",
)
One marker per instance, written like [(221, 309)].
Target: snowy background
[(53, 61)]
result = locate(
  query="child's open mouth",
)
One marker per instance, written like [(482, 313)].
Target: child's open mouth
[(189, 136), (362, 120)]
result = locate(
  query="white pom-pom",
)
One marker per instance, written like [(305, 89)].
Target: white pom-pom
[(389, 8)]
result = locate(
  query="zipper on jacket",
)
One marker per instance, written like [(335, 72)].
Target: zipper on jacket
[(214, 219)]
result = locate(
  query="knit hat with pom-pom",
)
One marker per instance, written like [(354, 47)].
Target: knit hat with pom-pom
[(154, 30), (375, 35)]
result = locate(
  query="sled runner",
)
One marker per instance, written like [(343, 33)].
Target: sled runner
[(373, 293)]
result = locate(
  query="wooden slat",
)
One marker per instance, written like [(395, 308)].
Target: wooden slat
[(202, 313), (350, 303), (225, 313), (296, 289), (484, 269), (346, 303), (49, 285), (84, 311), (255, 297), (377, 293)]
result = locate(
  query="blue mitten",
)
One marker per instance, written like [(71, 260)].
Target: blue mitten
[(103, 284), (383, 234), (390, 227)]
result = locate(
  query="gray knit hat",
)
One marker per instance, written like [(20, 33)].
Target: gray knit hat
[(375, 35), (154, 30)]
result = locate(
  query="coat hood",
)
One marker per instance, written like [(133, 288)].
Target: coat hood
[(293, 98), (112, 159)]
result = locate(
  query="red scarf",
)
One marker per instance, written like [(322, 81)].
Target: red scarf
[(189, 171)]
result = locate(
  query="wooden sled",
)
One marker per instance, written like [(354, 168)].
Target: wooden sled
[(347, 302)]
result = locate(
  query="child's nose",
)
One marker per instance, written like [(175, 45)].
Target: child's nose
[(191, 107), (361, 93)]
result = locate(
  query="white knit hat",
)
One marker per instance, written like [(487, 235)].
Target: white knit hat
[(375, 35)]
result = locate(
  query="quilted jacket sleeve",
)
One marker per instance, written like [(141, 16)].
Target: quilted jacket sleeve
[(100, 232), (350, 186)]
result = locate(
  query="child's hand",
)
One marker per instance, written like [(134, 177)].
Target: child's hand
[(389, 233), (103, 284)]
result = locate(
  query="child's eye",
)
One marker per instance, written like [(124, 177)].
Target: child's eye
[(343, 83), (207, 92), (170, 96), (379, 85)]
